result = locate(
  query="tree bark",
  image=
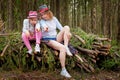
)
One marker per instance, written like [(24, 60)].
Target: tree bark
[(10, 20), (118, 23), (58, 9), (106, 13), (93, 17)]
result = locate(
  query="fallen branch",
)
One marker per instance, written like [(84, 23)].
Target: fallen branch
[(8, 34), (106, 46), (86, 50), (2, 25), (103, 39), (79, 58), (5, 48), (80, 39)]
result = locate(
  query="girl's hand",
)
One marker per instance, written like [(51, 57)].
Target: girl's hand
[(27, 33), (37, 29)]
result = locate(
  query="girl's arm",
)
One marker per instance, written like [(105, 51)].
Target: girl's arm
[(58, 24), (38, 26), (25, 25)]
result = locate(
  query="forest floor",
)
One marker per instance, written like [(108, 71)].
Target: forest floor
[(38, 75)]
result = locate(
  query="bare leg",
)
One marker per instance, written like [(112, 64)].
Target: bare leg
[(58, 46), (64, 35)]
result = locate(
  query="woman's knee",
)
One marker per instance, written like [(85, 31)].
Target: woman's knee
[(62, 49), (67, 27)]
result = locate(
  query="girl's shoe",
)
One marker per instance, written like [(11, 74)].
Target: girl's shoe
[(37, 48), (65, 73)]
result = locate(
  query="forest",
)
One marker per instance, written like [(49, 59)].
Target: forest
[(95, 27)]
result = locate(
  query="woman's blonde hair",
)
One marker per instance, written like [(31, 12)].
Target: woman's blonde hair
[(49, 13)]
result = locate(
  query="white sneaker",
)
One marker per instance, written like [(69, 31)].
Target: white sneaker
[(65, 73), (30, 52), (37, 48), (68, 51)]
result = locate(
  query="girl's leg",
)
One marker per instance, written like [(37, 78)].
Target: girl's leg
[(38, 38), (64, 35), (58, 46), (25, 39)]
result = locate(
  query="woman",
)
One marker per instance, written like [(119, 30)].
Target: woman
[(49, 25), (31, 32)]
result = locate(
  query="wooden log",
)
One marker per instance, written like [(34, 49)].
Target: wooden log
[(87, 51), (107, 46), (97, 43), (91, 68), (96, 46), (1, 25), (91, 55), (80, 39), (5, 48), (86, 68), (103, 53), (93, 60), (84, 60), (8, 34), (104, 50), (78, 57), (102, 39), (117, 54), (79, 65)]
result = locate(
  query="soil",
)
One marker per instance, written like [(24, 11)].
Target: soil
[(38, 75)]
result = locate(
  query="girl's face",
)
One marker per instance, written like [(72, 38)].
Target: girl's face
[(33, 21), (45, 16)]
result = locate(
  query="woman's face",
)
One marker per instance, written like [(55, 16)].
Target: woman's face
[(33, 21), (45, 16)]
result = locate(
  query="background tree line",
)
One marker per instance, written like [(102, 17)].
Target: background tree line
[(93, 16)]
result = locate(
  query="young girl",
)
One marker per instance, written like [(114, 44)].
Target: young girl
[(31, 32), (49, 24)]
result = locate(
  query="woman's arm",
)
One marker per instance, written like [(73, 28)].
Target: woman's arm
[(58, 24), (43, 25)]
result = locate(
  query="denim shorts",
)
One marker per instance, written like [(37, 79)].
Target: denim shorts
[(47, 39)]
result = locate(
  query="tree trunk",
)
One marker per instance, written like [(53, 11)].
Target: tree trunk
[(58, 9), (93, 17), (106, 13), (65, 12), (10, 20), (118, 23), (53, 6)]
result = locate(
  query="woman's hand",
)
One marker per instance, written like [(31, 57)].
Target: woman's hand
[(45, 29)]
